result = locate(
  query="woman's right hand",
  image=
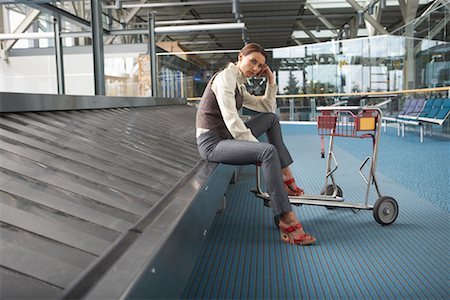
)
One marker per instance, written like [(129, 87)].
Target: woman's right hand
[(267, 72)]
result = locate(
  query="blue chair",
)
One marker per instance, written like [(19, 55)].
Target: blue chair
[(438, 114), (444, 113), (427, 108), (414, 109)]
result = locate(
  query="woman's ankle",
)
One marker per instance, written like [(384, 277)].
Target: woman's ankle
[(289, 218)]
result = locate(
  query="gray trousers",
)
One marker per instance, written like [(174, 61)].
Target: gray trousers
[(273, 156)]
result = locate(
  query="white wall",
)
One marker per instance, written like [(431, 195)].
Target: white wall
[(28, 74), (37, 73)]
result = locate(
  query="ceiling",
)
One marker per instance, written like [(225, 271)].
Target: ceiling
[(270, 23)]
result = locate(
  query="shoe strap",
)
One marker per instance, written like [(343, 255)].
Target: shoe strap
[(289, 181), (293, 228)]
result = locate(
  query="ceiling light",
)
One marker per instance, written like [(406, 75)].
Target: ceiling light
[(201, 27)]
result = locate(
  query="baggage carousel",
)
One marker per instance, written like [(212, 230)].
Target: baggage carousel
[(101, 197)]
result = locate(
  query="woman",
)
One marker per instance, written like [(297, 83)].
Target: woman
[(223, 137)]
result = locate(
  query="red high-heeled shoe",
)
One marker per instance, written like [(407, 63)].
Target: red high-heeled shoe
[(292, 192), (288, 237)]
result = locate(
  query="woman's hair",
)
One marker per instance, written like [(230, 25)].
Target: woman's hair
[(253, 47)]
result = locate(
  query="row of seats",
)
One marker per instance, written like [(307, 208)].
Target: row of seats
[(421, 112)]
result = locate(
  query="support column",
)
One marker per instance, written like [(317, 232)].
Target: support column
[(410, 58), (82, 41), (35, 27), (3, 19), (409, 70), (152, 53), (97, 47), (59, 55), (3, 29), (353, 28)]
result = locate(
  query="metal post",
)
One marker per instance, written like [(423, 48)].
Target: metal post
[(152, 53), (59, 55), (238, 16), (97, 47), (291, 110), (313, 109)]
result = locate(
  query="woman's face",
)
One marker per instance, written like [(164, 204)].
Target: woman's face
[(251, 64)]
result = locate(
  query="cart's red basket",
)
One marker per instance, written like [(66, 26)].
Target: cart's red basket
[(346, 123)]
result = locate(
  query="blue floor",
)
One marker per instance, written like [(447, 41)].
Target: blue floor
[(355, 257)]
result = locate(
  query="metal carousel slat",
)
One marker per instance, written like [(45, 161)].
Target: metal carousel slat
[(80, 128), (51, 230), (117, 167), (37, 265), (82, 170), (18, 192), (51, 176), (111, 152)]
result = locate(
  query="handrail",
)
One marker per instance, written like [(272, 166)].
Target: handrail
[(386, 94)]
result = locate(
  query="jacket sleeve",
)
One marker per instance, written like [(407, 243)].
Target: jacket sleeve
[(266, 103), (224, 87)]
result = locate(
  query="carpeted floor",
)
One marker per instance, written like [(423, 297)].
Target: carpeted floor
[(355, 257)]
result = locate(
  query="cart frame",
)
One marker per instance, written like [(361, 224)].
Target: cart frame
[(341, 121)]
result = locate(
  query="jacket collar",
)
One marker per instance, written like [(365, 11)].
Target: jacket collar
[(240, 78)]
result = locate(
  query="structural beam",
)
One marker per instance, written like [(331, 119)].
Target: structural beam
[(307, 31), (185, 11), (380, 29), (158, 30), (444, 2), (169, 4), (23, 26), (419, 20), (321, 18), (127, 19), (377, 12), (436, 29), (51, 10)]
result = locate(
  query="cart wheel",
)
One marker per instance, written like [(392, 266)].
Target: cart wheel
[(330, 191), (276, 220), (385, 210)]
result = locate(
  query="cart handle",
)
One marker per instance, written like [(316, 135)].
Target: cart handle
[(383, 103), (337, 107), (339, 103)]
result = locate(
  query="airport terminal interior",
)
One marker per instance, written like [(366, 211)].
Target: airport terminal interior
[(103, 191)]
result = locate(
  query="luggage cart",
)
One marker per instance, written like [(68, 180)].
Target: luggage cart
[(362, 122)]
